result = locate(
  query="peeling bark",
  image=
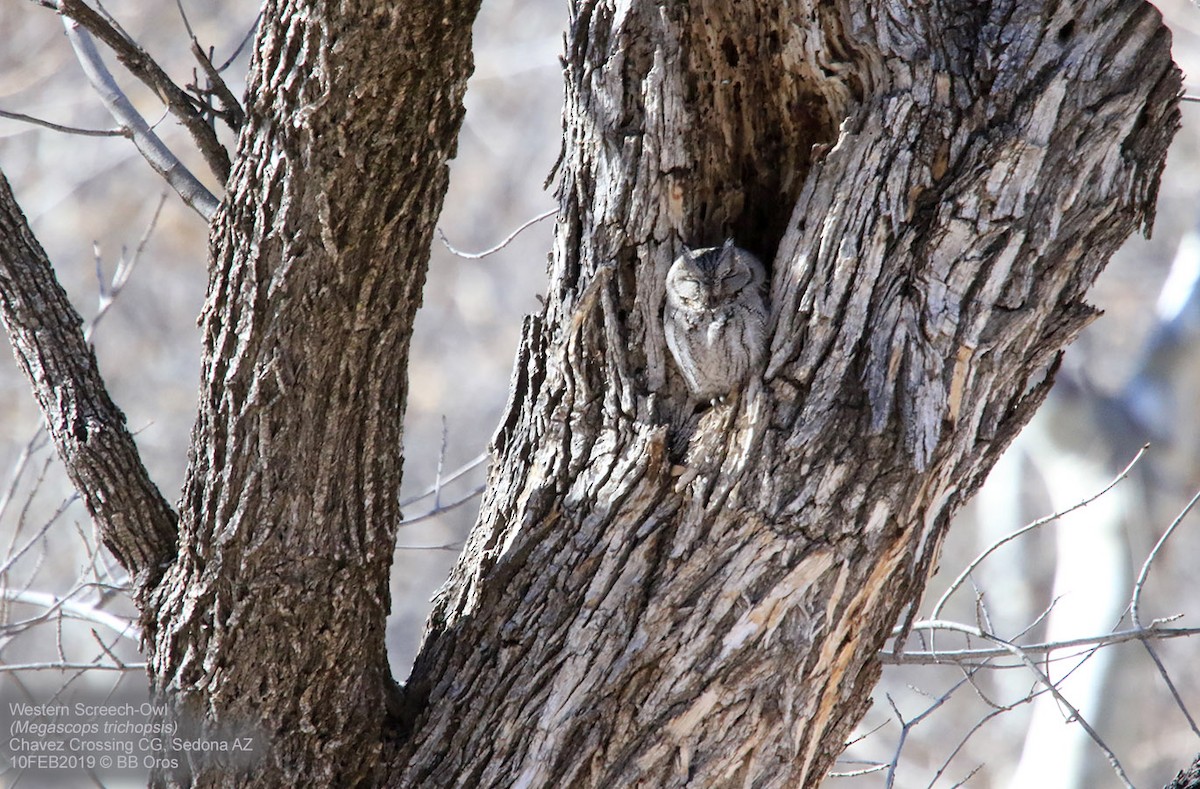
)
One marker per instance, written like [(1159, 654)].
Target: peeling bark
[(651, 598)]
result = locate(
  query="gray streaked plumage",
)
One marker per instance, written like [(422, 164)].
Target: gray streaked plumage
[(716, 318)]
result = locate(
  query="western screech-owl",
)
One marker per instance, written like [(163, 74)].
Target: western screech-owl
[(716, 318)]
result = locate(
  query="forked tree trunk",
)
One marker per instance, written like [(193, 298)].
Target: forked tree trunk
[(655, 600), (651, 597)]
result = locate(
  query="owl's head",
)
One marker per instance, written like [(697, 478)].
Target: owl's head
[(706, 279)]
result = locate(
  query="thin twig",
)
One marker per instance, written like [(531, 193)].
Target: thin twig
[(36, 538), (471, 464), (873, 768), (12, 668), (1135, 613), (242, 45), (106, 648), (1021, 654), (58, 127), (1135, 600), (152, 148), (1162, 672), (449, 546), (501, 245), (959, 655), (433, 513), (126, 628), (437, 474), (967, 777), (937, 609), (907, 726), (182, 105), (35, 443), (971, 733), (108, 292), (864, 735), (231, 111)]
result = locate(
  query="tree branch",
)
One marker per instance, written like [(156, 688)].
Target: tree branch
[(87, 428), (144, 67), (58, 127), (65, 606), (963, 656), (160, 157), (962, 576), (231, 111), (1023, 655)]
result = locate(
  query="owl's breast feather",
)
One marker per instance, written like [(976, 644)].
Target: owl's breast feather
[(716, 326)]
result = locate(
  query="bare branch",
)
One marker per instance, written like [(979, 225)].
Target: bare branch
[(473, 463), (144, 67), (231, 110), (441, 463), (20, 116), (152, 148), (937, 609), (77, 610), (979, 724), (875, 767), (1022, 654), (958, 656), (440, 508), (906, 726), (1135, 612), (449, 546), (35, 443), (1135, 601), (12, 557), (87, 428), (14, 668), (242, 44), (508, 239), (109, 291)]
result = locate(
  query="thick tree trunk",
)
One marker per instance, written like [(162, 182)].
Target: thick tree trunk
[(651, 596), (657, 599), (271, 620)]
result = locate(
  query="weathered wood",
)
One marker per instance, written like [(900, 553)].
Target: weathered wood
[(652, 599)]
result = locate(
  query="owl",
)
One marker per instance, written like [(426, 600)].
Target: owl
[(716, 318)]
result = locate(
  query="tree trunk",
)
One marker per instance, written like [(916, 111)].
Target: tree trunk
[(271, 620), (660, 599), (657, 593)]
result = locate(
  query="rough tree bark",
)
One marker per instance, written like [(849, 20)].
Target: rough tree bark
[(657, 600), (268, 618), (273, 613), (651, 596)]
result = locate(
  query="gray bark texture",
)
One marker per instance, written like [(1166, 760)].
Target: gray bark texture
[(655, 599), (656, 593)]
